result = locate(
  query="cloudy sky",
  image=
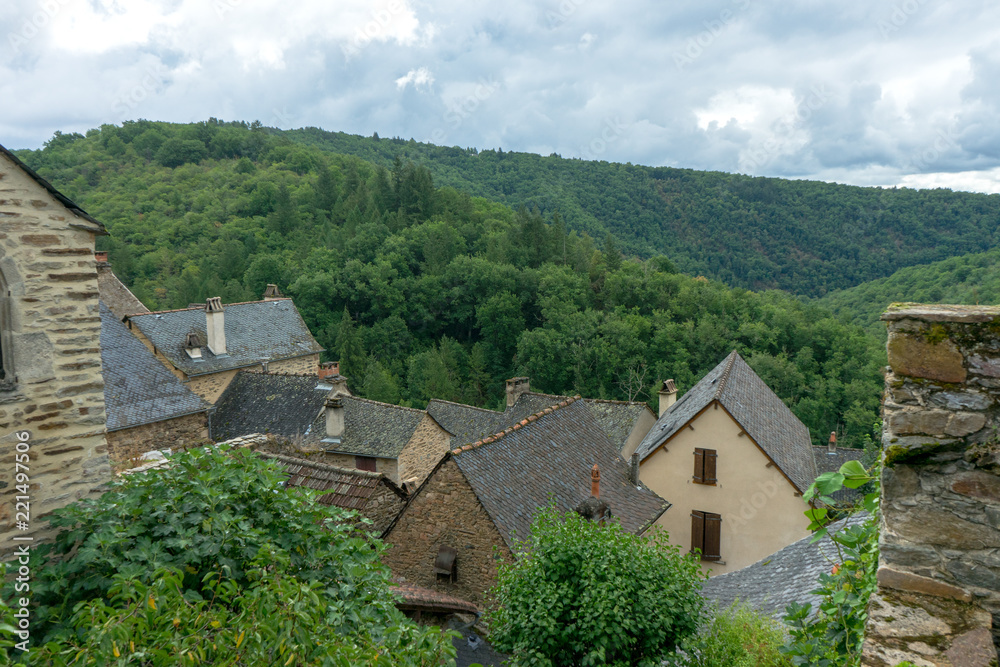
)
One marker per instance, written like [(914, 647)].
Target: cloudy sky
[(883, 92)]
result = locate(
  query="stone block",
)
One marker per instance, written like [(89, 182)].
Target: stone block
[(988, 366), (937, 527), (964, 423), (906, 581), (915, 357), (961, 400), (977, 484), (911, 422)]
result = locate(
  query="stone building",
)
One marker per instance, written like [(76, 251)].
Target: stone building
[(51, 390), (207, 345), (319, 417), (735, 462), (482, 497)]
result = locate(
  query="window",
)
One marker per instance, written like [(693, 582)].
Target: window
[(445, 566), (704, 466), (365, 463), (706, 534)]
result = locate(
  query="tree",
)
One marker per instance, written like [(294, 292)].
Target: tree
[(582, 593), (612, 257), (350, 349)]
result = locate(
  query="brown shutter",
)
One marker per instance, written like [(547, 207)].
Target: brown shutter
[(697, 531), (713, 537), (710, 457), (365, 463), (699, 465)]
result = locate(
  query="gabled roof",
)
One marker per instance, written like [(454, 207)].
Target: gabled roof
[(548, 457), (786, 576), (827, 461), (275, 403), (466, 422), (371, 428), (764, 416), (137, 388), (617, 418), (256, 331), (96, 228), (346, 487)]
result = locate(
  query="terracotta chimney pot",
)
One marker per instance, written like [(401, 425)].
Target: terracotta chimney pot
[(595, 481)]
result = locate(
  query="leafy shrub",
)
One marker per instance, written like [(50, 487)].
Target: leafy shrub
[(737, 637), (579, 593)]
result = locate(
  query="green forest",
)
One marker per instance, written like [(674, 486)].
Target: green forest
[(423, 290)]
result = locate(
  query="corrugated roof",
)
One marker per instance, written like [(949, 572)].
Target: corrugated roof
[(138, 389), (274, 403), (549, 456), (256, 331), (758, 410)]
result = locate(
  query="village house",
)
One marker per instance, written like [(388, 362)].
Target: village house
[(320, 418), (482, 497), (51, 389), (735, 462), (206, 346)]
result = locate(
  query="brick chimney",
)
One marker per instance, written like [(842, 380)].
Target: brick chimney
[(272, 292), (668, 396), (595, 481), (832, 445), (334, 417), (101, 257), (328, 369), (215, 325), (593, 508), (516, 387)]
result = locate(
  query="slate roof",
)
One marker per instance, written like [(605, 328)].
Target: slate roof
[(371, 428), (465, 422), (617, 418), (549, 456), (347, 488), (827, 461), (256, 331), (758, 410), (786, 576), (275, 403), (138, 389)]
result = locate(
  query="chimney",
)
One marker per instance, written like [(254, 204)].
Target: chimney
[(338, 385), (633, 471), (516, 387), (328, 369), (272, 292), (595, 481), (334, 417), (832, 446), (101, 257), (668, 396), (192, 345), (215, 326), (593, 508)]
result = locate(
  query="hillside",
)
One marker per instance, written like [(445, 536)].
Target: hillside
[(423, 291), (805, 237), (968, 279)]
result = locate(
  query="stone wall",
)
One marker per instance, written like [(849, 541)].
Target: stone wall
[(383, 507), (50, 338), (446, 512), (424, 450), (940, 541), (127, 444)]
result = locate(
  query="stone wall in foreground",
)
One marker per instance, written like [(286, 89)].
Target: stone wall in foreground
[(938, 601)]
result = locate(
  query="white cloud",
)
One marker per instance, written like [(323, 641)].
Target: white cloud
[(418, 77)]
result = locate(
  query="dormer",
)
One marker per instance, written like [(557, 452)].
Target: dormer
[(192, 345)]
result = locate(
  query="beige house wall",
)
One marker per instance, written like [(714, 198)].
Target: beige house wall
[(52, 339), (642, 425), (388, 467), (761, 511), (427, 445)]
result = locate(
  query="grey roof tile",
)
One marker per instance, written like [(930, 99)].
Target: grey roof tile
[(827, 461), (346, 487), (550, 458), (256, 331), (138, 389), (371, 428), (617, 418), (466, 423), (758, 410)]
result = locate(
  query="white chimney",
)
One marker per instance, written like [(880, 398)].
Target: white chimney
[(334, 417), (516, 387), (215, 326), (668, 396)]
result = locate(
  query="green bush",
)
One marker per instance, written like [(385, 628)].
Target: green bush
[(579, 593), (737, 637)]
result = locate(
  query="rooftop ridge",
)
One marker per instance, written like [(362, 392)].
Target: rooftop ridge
[(320, 466), (463, 405), (524, 422), (612, 401), (725, 373), (282, 374), (202, 307), (388, 405)]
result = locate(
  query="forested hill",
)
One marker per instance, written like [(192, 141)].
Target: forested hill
[(969, 279), (425, 292), (805, 237)]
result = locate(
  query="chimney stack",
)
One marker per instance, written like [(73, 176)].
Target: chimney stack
[(832, 446), (215, 326), (334, 417), (516, 387), (338, 385), (192, 345), (668, 396), (328, 369), (101, 257), (634, 469), (595, 481), (272, 292)]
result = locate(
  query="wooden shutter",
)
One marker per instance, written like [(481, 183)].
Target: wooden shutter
[(710, 457), (699, 466), (697, 531), (365, 463), (713, 537)]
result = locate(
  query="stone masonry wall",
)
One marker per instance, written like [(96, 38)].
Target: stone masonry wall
[(51, 339), (446, 512), (127, 444), (939, 570), (382, 508), (427, 445)]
